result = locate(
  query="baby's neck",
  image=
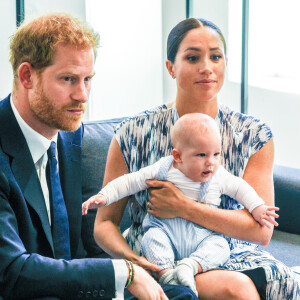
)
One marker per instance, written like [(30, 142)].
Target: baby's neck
[(177, 166)]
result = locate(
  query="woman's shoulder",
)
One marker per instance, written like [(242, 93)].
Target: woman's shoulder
[(240, 121), (152, 116)]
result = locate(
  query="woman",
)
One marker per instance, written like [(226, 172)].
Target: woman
[(197, 59)]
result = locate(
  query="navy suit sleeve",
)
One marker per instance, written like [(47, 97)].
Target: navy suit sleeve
[(26, 275)]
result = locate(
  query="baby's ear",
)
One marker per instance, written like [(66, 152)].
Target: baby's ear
[(176, 155)]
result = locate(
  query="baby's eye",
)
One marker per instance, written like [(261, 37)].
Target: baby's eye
[(217, 154), (201, 154)]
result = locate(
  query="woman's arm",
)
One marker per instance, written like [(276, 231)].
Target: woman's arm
[(108, 219), (167, 202)]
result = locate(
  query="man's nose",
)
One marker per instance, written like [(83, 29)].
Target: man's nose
[(81, 92)]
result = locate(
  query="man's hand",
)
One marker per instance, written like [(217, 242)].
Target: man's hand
[(144, 287), (93, 202), (265, 215)]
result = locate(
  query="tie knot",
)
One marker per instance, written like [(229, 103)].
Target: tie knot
[(52, 150)]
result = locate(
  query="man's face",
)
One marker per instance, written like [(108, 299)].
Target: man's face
[(59, 95)]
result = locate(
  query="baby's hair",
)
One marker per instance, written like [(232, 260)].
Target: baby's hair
[(187, 126)]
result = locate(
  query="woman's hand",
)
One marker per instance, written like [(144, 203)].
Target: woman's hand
[(166, 200), (145, 264)]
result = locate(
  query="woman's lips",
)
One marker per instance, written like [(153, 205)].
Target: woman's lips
[(206, 82)]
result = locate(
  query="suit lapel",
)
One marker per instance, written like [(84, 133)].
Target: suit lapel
[(26, 176), (15, 146)]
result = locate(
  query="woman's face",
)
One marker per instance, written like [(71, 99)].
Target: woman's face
[(199, 65)]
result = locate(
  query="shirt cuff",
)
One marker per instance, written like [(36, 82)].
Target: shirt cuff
[(121, 275)]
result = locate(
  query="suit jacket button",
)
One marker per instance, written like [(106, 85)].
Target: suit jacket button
[(101, 293), (88, 294), (95, 293), (80, 294)]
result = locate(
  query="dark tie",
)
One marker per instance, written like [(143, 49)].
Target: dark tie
[(60, 223)]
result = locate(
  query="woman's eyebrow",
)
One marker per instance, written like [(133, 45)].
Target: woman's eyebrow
[(192, 48), (199, 50)]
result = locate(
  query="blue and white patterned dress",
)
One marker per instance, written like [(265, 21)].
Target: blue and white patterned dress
[(145, 138)]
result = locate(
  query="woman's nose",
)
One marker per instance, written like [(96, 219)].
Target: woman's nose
[(204, 66)]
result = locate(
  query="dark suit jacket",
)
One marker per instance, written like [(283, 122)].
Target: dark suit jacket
[(27, 265)]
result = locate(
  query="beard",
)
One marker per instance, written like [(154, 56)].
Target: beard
[(55, 117)]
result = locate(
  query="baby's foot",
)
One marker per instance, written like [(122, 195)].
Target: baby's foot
[(168, 278), (184, 273)]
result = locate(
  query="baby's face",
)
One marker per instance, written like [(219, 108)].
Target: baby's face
[(201, 157)]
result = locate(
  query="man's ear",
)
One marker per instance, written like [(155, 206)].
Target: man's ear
[(170, 68), (25, 73), (176, 155)]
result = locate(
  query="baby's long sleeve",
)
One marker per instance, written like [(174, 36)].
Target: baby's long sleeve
[(239, 189), (129, 184)]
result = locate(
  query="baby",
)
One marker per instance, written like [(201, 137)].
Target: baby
[(181, 248)]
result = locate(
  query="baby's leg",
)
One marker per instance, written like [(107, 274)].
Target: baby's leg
[(212, 253), (158, 249)]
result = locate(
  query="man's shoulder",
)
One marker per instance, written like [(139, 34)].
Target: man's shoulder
[(4, 108), (5, 100), (73, 138)]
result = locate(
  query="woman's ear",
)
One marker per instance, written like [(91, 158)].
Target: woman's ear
[(25, 73), (176, 155), (170, 68)]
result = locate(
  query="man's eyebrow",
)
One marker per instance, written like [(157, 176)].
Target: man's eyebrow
[(71, 73)]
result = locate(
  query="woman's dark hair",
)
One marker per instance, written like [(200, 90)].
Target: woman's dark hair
[(178, 33)]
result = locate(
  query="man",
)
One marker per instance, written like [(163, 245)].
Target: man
[(41, 250)]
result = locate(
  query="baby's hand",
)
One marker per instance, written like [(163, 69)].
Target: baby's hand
[(94, 202), (265, 215)]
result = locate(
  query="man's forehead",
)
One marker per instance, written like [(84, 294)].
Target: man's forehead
[(73, 60)]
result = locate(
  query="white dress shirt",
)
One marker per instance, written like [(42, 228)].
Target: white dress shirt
[(38, 146)]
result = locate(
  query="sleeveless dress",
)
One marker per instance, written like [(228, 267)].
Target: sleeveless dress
[(145, 138)]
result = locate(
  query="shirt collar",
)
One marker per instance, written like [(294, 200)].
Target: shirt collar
[(38, 144)]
